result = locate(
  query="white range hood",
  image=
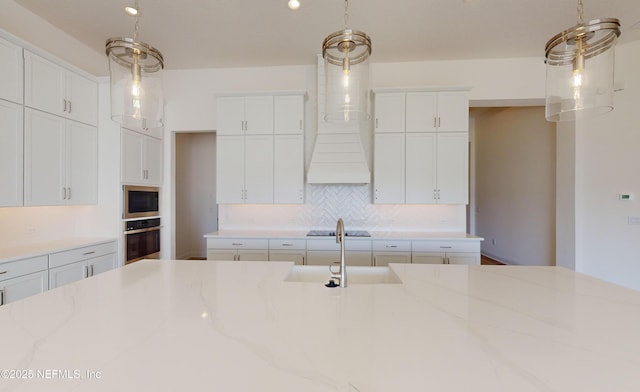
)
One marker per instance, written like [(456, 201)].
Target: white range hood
[(338, 154)]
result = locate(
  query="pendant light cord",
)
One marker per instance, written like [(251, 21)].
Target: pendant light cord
[(346, 13), (580, 12), (137, 25)]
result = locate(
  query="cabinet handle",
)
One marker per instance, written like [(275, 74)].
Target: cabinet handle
[(64, 107), (69, 194), (236, 243), (69, 106), (144, 124), (438, 122), (3, 272), (391, 246), (89, 253), (1, 297), (86, 271), (376, 122), (304, 260), (445, 247), (91, 266), (287, 244)]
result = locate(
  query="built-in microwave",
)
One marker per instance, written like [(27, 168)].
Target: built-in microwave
[(140, 201)]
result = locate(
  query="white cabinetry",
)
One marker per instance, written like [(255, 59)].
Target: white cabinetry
[(244, 167), (60, 160), (22, 278), (327, 251), (54, 89), (80, 263), (11, 71), (391, 251), (141, 158), (288, 169), (288, 250), (421, 148), (11, 152), (445, 252), (252, 115), (237, 249), (288, 114)]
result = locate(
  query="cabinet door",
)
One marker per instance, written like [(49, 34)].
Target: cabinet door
[(288, 169), (384, 258), (464, 258), (15, 289), (297, 257), (230, 169), (102, 264), (44, 85), (453, 168), (328, 257), (258, 172), (453, 111), (132, 157), (288, 114), (221, 254), (427, 258), (421, 112), (44, 159), (59, 276), (390, 112), (82, 97), (82, 157), (258, 115), (11, 152), (153, 160), (253, 255), (389, 168), (230, 116), (10, 71), (421, 168)]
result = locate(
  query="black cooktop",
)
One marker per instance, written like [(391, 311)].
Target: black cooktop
[(330, 233)]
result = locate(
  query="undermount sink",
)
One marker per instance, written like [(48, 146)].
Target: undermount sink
[(355, 275)]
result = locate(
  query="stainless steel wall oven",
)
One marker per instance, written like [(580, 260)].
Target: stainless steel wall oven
[(141, 239)]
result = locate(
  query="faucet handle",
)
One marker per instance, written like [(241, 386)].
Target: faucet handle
[(335, 263)]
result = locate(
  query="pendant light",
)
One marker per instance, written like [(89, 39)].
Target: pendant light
[(346, 64), (580, 69), (136, 79)]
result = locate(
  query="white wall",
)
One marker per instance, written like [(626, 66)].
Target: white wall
[(608, 163), (515, 184)]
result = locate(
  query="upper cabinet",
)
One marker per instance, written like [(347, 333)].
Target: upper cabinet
[(422, 111), (421, 153), (11, 151), (252, 115), (260, 149), (56, 90), (10, 71), (141, 159)]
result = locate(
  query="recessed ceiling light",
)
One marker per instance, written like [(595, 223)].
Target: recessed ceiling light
[(294, 4), (131, 11)]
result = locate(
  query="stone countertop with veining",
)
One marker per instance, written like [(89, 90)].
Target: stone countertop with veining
[(383, 235), (160, 325)]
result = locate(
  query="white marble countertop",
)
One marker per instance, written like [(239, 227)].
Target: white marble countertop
[(161, 325), (42, 248), (395, 235)]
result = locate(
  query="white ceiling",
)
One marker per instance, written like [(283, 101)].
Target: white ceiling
[(244, 33)]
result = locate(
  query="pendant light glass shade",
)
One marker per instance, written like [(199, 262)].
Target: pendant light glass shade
[(136, 82), (346, 63), (580, 70)]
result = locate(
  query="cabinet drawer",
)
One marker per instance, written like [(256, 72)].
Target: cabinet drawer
[(296, 244), (23, 267), (78, 254), (445, 246), (237, 243), (391, 246), (331, 244)]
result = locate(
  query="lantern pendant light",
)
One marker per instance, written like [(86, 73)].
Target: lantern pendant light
[(346, 65), (580, 69), (136, 80)]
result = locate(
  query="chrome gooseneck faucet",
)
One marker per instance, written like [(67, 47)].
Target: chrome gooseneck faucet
[(341, 274)]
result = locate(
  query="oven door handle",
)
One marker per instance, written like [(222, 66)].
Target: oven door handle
[(145, 230)]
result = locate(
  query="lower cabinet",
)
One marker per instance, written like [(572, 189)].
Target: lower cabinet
[(237, 249), (77, 264), (390, 251), (327, 252), (446, 252), (23, 278), (288, 250)]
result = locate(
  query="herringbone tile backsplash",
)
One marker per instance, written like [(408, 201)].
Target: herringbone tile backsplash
[(324, 204)]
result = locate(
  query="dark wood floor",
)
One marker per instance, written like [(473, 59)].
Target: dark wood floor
[(484, 260)]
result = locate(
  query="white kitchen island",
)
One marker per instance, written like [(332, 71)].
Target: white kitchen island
[(161, 325)]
